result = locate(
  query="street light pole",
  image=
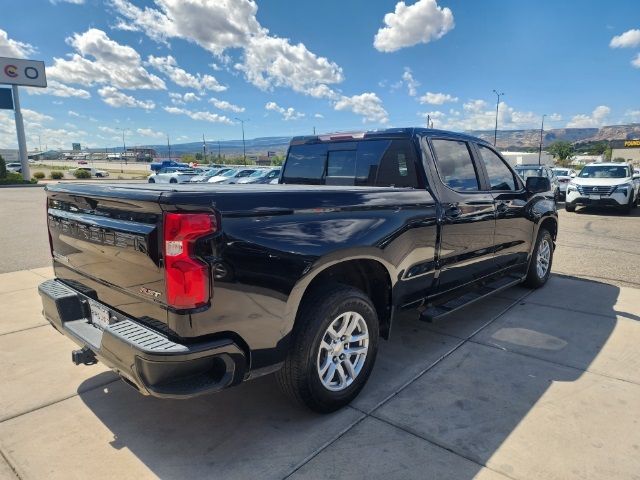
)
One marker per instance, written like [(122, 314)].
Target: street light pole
[(540, 149), (495, 132), (244, 149), (124, 150)]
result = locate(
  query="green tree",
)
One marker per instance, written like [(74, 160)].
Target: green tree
[(607, 154), (198, 157), (3, 168), (562, 151)]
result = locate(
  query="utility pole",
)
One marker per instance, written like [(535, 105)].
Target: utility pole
[(541, 130), (169, 146), (428, 121), (22, 142), (244, 149), (124, 150), (218, 151), (314, 130), (204, 149), (495, 132)]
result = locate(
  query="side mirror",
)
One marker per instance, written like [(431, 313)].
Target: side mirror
[(636, 176), (538, 184), (573, 175)]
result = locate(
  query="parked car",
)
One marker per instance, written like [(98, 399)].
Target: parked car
[(82, 162), (204, 287), (94, 172), (205, 176), (15, 167), (173, 175), (534, 170), (604, 184), (564, 176), (264, 175), (231, 176)]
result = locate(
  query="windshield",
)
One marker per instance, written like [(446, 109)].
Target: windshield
[(604, 171), (529, 172), (562, 173), (259, 173), (229, 173)]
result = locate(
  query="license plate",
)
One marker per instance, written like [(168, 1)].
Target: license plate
[(594, 197), (99, 315)]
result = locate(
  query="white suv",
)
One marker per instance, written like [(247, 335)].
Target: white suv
[(605, 184)]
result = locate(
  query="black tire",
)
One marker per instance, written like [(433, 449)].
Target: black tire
[(569, 208), (534, 280), (173, 180), (151, 180), (556, 196), (299, 377)]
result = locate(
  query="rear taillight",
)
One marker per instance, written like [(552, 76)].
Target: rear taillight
[(46, 215), (186, 277)]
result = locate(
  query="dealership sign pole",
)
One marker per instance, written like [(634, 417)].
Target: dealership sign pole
[(30, 73)]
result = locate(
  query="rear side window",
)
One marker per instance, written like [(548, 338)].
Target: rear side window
[(373, 163), (500, 177), (455, 166)]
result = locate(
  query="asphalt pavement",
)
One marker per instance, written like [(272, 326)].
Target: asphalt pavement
[(598, 244)]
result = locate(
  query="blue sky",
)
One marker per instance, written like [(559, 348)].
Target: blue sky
[(191, 67)]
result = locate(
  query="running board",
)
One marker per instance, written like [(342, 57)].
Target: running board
[(436, 312)]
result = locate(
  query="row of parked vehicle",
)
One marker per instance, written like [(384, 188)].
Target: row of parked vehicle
[(599, 184), (219, 175)]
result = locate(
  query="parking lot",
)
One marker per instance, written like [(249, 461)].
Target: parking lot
[(524, 385)]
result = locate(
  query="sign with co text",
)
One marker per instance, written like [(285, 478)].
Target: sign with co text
[(15, 71)]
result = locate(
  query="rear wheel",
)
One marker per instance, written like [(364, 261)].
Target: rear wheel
[(333, 349), (151, 180), (542, 258), (569, 208), (173, 180)]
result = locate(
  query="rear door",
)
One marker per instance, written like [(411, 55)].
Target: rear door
[(514, 231), (467, 217)]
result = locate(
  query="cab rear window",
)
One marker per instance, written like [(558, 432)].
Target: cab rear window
[(373, 163)]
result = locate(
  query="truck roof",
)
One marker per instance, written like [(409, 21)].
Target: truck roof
[(407, 132)]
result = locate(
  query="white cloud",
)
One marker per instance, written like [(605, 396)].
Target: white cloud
[(114, 97), (169, 66), (74, 2), (113, 64), (367, 104), (422, 22), (58, 89), (437, 98), (287, 113), (14, 48), (267, 61), (109, 130), (71, 113), (224, 105), (35, 117), (318, 115), (412, 83), (479, 115), (628, 39), (148, 132), (432, 116), (554, 117), (205, 116), (636, 61), (190, 97), (35, 126), (596, 119)]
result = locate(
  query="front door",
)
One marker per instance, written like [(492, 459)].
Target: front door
[(467, 218)]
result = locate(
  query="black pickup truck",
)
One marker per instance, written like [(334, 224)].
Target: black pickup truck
[(188, 289)]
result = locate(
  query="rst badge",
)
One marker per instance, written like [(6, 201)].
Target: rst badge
[(149, 292)]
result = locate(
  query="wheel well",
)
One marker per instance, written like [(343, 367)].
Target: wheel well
[(551, 225), (369, 276)]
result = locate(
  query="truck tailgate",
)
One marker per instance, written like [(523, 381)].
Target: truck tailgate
[(105, 242)]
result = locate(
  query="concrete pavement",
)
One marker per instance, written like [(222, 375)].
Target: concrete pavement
[(539, 384)]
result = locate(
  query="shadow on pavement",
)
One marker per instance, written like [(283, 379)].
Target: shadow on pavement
[(611, 211), (469, 404)]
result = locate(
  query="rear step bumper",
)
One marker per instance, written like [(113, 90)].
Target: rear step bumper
[(145, 359)]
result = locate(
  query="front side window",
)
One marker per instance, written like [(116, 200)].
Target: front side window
[(500, 177), (455, 165)]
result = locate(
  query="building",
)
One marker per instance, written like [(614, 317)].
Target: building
[(578, 160), (10, 155), (527, 158), (627, 149)]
